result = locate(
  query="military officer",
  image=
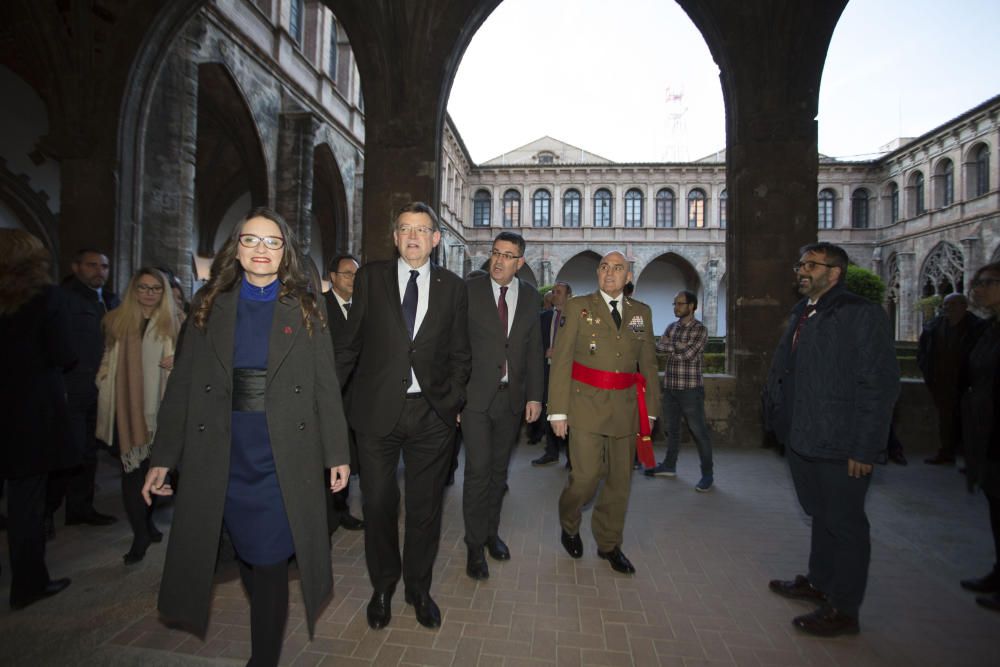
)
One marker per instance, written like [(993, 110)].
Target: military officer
[(595, 389)]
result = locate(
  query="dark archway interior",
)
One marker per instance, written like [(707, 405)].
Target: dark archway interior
[(329, 203)]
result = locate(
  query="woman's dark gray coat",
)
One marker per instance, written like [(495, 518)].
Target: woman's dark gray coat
[(308, 433)]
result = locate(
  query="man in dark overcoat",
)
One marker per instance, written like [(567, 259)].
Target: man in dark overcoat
[(305, 420), (341, 271), (73, 477), (549, 320), (505, 386), (408, 347), (829, 396)]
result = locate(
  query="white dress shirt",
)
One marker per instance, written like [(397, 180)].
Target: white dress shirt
[(511, 307), (423, 292), (343, 304)]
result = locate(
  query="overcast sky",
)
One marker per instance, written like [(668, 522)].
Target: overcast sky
[(595, 74)]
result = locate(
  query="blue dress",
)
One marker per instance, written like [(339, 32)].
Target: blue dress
[(255, 513)]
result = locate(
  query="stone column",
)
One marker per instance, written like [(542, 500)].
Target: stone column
[(908, 295), (165, 233), (972, 248), (708, 310), (294, 171)]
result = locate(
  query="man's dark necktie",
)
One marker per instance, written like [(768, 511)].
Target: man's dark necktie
[(615, 315), (502, 310), (809, 310), (410, 302), (347, 306)]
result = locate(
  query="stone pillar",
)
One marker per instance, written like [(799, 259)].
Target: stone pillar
[(972, 249), (708, 310), (165, 234), (294, 173), (908, 295), (770, 55)]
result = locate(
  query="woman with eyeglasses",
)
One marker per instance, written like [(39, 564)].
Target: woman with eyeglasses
[(980, 405), (251, 415), (140, 336)]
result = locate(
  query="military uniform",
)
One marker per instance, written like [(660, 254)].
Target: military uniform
[(604, 422)]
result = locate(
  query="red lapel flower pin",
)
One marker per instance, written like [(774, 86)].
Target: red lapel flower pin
[(288, 330)]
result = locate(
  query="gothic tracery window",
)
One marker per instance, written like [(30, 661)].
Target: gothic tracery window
[(944, 270)]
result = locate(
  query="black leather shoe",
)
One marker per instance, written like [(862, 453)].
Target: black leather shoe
[(992, 602), (475, 564), (428, 614), (617, 560), (133, 557), (827, 622), (797, 589), (380, 610), (155, 536), (95, 518), (50, 589), (351, 522), (988, 584), (572, 544), (545, 460), (498, 550)]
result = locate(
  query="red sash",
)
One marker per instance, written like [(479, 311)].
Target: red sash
[(613, 380)]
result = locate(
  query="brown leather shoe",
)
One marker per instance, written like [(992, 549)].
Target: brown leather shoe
[(797, 589), (827, 622)]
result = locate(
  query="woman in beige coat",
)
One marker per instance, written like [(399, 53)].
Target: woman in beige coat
[(140, 336)]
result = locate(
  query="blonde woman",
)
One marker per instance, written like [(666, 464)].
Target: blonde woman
[(140, 337)]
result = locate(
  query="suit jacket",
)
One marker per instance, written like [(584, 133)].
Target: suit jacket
[(491, 346), (588, 336), (378, 350), (86, 313), (305, 422)]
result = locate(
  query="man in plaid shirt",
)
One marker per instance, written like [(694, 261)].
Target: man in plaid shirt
[(684, 389)]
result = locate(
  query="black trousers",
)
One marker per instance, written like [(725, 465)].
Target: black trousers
[(489, 440), (140, 515), (267, 587), (425, 442), (841, 544), (26, 535), (76, 484), (994, 502)]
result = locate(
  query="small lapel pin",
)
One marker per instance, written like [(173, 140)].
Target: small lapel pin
[(288, 330)]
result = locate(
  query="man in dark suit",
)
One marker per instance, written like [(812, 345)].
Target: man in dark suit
[(561, 292), (506, 383), (89, 300), (341, 271), (407, 343)]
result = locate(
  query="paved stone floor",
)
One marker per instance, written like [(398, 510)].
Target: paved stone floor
[(699, 598)]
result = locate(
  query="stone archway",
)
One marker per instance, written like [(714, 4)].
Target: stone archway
[(230, 160), (329, 207), (580, 272), (660, 281), (943, 271)]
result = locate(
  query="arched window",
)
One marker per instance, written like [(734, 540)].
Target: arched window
[(333, 49), (826, 202), (917, 188), (481, 209), (982, 178), (859, 209), (893, 202), (571, 209), (602, 208), (723, 201), (633, 208), (512, 208), (944, 184), (696, 208), (665, 208), (541, 208)]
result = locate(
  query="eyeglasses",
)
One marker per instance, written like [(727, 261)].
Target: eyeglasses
[(504, 255), (270, 242), (808, 266), (681, 303), (985, 282), (349, 274), (405, 230), (149, 289)]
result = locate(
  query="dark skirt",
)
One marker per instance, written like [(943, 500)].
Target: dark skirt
[(255, 513)]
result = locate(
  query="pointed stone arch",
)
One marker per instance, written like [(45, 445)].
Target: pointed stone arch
[(329, 207), (943, 270)]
